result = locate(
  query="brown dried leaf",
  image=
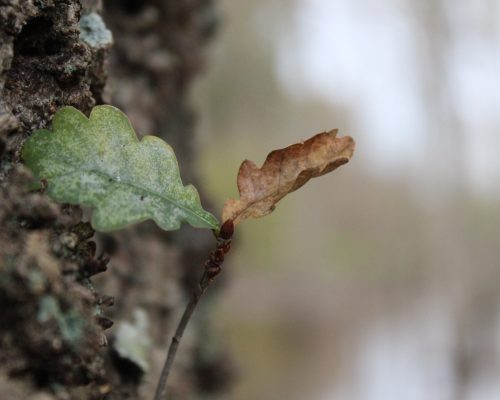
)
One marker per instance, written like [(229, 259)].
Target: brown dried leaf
[(284, 171)]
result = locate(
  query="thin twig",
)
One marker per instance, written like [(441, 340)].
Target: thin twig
[(212, 269), (174, 345)]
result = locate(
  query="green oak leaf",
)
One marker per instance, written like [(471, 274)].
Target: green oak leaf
[(99, 162)]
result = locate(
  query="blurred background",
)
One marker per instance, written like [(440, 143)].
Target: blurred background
[(381, 280)]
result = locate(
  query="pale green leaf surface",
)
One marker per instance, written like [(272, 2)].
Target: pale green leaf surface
[(99, 162)]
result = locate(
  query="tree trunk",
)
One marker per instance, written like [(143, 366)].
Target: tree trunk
[(55, 308)]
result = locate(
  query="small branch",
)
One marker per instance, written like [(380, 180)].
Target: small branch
[(212, 269), (176, 339)]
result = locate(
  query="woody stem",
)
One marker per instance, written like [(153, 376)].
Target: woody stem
[(212, 269)]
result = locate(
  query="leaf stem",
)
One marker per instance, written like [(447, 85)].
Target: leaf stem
[(212, 269)]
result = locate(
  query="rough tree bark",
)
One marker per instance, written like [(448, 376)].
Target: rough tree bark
[(54, 308)]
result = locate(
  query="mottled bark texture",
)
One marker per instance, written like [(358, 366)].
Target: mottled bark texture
[(53, 307)]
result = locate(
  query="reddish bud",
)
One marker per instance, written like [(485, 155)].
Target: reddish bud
[(227, 230), (213, 271), (218, 256), (226, 247)]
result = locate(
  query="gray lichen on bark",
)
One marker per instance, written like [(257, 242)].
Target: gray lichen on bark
[(51, 324)]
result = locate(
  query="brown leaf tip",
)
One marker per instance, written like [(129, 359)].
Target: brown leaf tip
[(284, 171)]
